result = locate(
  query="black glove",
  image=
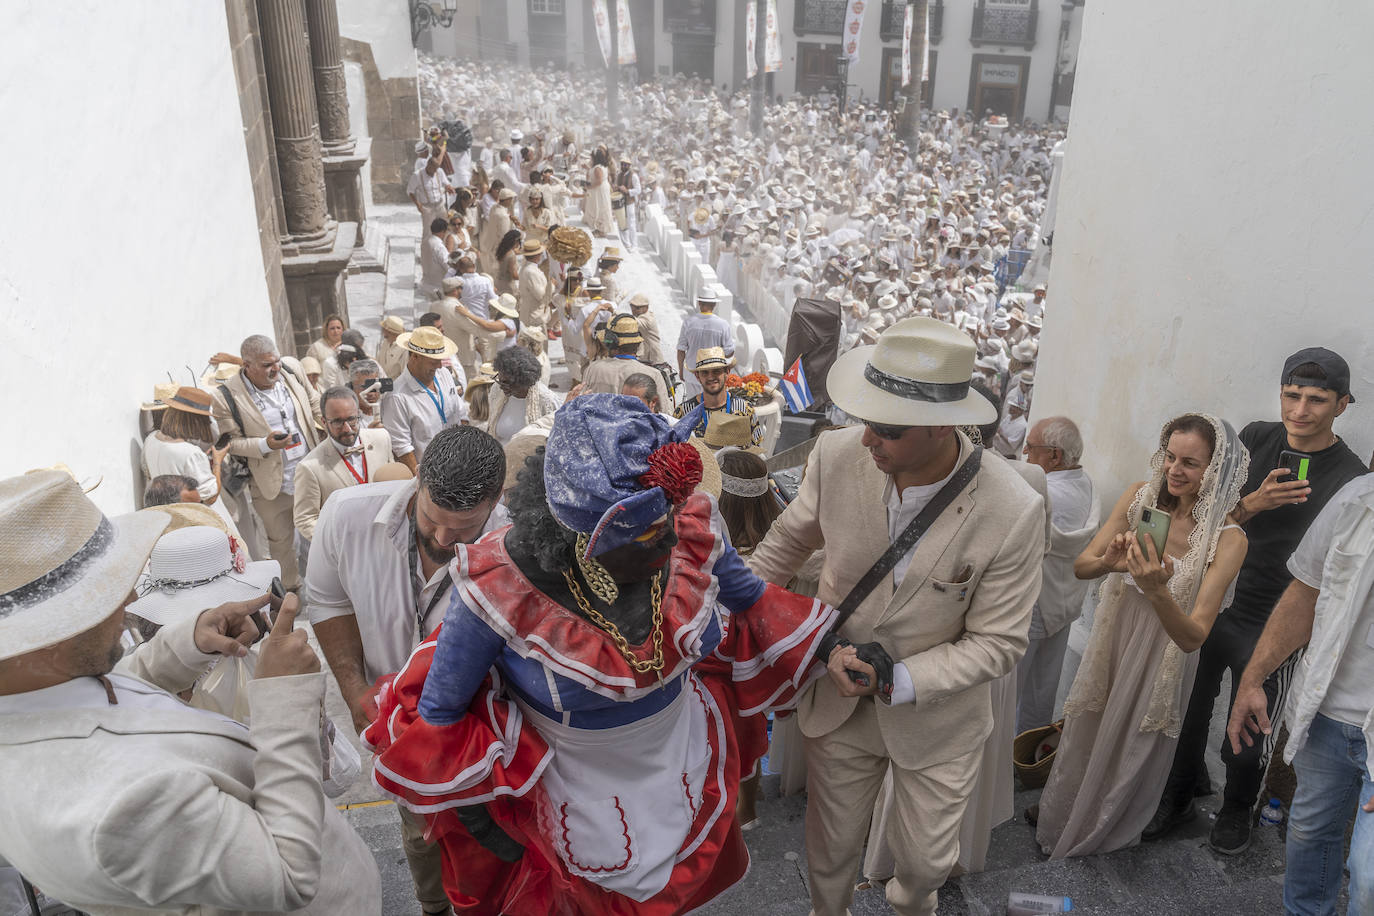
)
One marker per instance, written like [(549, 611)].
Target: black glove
[(829, 643), (874, 655), (485, 831)]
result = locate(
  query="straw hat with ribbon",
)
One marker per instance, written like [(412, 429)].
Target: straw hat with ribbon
[(73, 577), (162, 393), (916, 375), (428, 341), (712, 358)]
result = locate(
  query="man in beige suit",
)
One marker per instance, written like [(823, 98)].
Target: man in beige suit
[(651, 353), (272, 421), (952, 613), (499, 221), (120, 798), (349, 456), (608, 374), (536, 292)]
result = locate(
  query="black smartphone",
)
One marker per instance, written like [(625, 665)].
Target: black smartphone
[(222, 441), (386, 385), (1297, 463)]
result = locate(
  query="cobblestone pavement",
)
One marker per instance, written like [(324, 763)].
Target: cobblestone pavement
[(1177, 876)]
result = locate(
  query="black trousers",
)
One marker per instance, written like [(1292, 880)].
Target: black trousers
[(1228, 647)]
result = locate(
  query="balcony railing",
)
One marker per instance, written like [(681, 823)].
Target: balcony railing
[(819, 17), (894, 17), (1005, 22)]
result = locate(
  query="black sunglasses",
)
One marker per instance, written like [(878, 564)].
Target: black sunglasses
[(885, 431)]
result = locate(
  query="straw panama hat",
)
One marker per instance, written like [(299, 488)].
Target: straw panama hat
[(623, 329), (194, 569), (712, 358), (916, 375), (162, 393), (532, 248), (505, 304), (73, 577), (428, 341), (189, 515), (393, 324)]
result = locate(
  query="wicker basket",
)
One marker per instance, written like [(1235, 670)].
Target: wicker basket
[(1035, 773), (569, 245)]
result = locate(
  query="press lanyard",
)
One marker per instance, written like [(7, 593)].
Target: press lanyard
[(444, 583), (439, 401), (349, 465)]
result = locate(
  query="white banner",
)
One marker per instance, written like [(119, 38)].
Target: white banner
[(772, 49), (925, 49), (853, 25), (907, 18), (626, 47), (603, 29), (751, 33)]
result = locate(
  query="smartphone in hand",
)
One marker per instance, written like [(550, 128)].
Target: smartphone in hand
[(1154, 524), (1297, 463), (222, 441)]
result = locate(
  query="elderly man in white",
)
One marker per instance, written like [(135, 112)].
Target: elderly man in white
[(118, 797), (1056, 445)]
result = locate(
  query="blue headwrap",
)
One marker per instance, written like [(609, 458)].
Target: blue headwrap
[(607, 473)]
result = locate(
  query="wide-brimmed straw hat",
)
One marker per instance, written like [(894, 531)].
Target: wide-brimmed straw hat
[(623, 329), (712, 358), (194, 569), (428, 341), (72, 577), (730, 430), (393, 324), (505, 304), (162, 393), (532, 248), (916, 375)]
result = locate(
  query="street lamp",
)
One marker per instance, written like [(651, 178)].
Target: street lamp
[(427, 15)]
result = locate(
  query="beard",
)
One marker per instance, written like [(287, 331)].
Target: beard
[(436, 552)]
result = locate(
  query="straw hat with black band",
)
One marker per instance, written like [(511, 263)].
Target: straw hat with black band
[(916, 375), (428, 341), (77, 574), (622, 330)]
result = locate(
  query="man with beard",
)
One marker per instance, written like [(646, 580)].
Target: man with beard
[(347, 458), (711, 368), (379, 583)]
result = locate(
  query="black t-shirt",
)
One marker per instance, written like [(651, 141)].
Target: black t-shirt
[(1275, 534)]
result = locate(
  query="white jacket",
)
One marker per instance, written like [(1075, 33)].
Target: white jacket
[(1061, 593)]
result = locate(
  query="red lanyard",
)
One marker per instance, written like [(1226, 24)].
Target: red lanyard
[(347, 464)]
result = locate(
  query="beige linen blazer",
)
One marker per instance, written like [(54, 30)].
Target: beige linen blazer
[(534, 296), (247, 442), (961, 616), (123, 810), (322, 472)]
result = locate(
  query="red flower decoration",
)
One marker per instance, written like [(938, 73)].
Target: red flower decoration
[(240, 557), (676, 467)]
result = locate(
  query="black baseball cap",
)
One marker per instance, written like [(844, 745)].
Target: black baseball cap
[(1332, 365)]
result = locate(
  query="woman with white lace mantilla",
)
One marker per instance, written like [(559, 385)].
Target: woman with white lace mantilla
[(1124, 710)]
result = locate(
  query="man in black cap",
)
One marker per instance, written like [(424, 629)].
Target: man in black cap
[(1276, 508)]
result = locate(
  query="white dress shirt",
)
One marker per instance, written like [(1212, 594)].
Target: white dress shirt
[(279, 410), (413, 415)]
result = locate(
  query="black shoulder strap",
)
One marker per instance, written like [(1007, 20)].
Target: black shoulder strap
[(233, 407), (910, 535)]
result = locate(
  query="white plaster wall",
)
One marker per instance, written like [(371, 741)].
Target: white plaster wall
[(384, 24), (357, 120), (726, 30), (1214, 217), (113, 276)]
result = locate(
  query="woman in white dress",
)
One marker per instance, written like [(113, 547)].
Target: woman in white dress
[(596, 201), (1123, 713), (176, 448)]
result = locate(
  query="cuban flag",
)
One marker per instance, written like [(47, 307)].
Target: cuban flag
[(794, 388)]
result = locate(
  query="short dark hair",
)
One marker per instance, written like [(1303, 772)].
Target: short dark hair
[(437, 226), (432, 319), (462, 467), (165, 489), (338, 393), (517, 366)]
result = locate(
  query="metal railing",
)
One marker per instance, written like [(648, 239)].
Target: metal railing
[(1005, 23)]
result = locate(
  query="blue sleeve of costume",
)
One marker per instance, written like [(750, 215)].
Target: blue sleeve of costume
[(740, 589), (465, 651)]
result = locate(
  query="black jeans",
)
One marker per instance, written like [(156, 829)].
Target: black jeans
[(1228, 646)]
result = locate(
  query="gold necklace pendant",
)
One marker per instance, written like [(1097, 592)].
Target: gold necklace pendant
[(641, 666), (599, 579)]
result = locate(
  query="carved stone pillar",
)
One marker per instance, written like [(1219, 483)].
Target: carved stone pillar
[(295, 124), (331, 91)]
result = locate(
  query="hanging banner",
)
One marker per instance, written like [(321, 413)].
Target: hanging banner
[(853, 25), (626, 47), (772, 49), (603, 29), (925, 49), (906, 43), (751, 33)]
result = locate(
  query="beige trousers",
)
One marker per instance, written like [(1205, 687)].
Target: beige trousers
[(280, 527), (425, 861), (845, 769)]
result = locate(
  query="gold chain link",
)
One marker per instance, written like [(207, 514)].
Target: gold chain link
[(598, 578), (656, 602)]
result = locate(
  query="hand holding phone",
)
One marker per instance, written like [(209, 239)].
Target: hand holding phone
[(1280, 488), (278, 440), (1154, 524)]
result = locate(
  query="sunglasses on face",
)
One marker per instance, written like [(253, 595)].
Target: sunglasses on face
[(886, 431)]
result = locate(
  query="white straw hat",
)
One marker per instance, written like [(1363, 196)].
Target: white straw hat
[(916, 375), (194, 569), (67, 567)]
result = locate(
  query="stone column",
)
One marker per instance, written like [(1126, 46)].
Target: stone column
[(291, 95), (331, 92)]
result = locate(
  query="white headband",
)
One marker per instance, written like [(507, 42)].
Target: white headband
[(740, 486)]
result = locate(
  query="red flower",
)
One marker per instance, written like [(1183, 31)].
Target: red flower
[(240, 557), (676, 467)]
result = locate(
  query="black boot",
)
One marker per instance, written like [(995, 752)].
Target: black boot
[(1230, 834), (1173, 812)]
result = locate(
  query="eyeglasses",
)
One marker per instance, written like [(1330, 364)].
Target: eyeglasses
[(1031, 445), (886, 431), (345, 421)]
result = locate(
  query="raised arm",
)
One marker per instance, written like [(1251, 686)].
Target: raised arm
[(1106, 553)]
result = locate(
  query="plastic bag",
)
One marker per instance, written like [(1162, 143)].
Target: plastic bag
[(342, 763), (224, 688)]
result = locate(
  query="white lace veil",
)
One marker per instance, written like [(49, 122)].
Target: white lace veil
[(1219, 493)]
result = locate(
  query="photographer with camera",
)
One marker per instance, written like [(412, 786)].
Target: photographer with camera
[(367, 381)]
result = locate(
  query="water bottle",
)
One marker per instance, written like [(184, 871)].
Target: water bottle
[(1019, 904), (1272, 815)]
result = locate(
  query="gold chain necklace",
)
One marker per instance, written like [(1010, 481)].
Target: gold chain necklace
[(656, 602), (598, 578)]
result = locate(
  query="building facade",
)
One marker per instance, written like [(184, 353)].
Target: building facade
[(1012, 57)]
